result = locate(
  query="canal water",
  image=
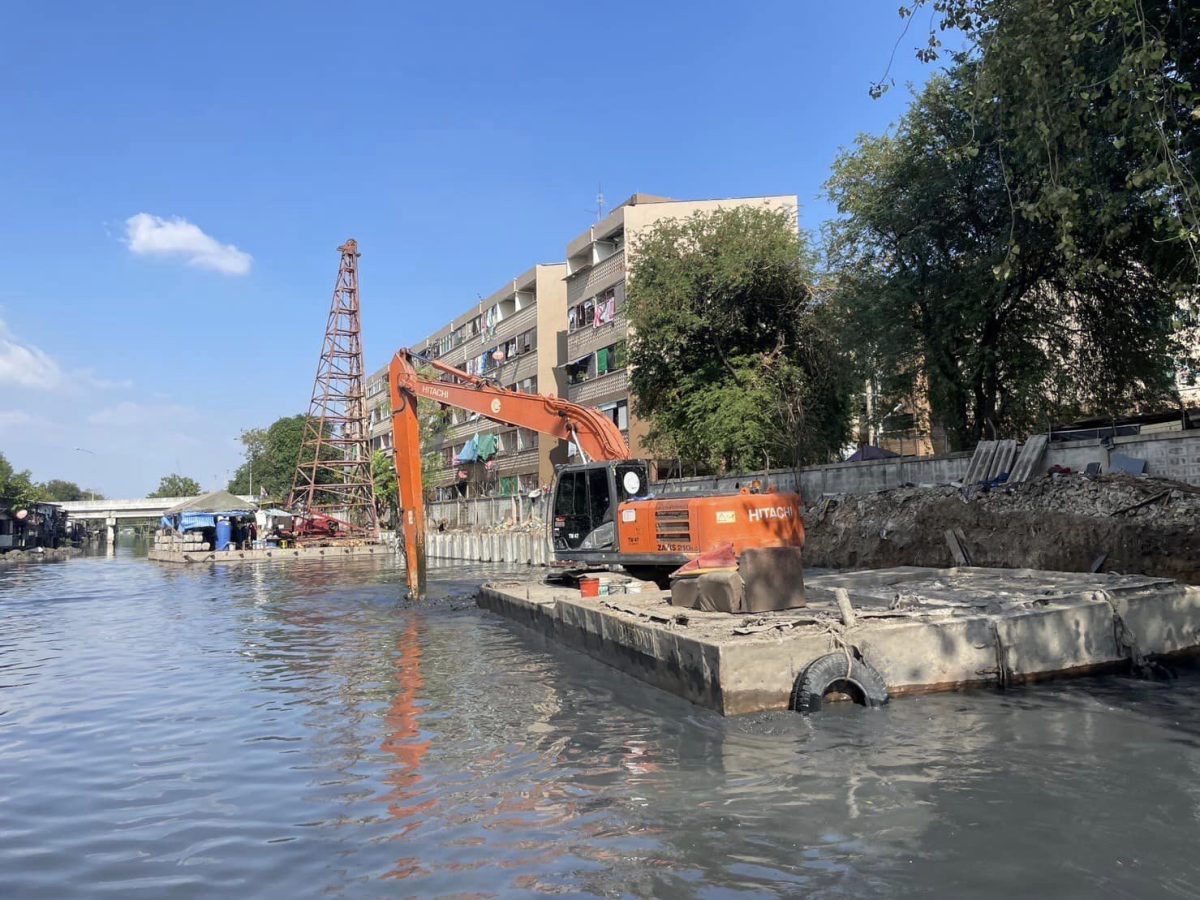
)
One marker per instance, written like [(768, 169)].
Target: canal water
[(294, 730)]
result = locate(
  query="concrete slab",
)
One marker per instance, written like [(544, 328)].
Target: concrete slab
[(921, 629)]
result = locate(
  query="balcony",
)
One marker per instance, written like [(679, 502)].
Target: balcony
[(600, 276), (514, 325), (524, 462), (603, 389), (589, 338)]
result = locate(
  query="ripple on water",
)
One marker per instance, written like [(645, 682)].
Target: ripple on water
[(295, 729)]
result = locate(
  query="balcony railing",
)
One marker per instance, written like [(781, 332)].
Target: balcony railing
[(602, 389), (513, 325), (605, 273), (591, 338)]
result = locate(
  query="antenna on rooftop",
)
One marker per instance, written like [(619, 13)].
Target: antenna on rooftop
[(599, 202)]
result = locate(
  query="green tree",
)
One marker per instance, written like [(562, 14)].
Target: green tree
[(17, 488), (1100, 101), (272, 454), (176, 486), (58, 490), (733, 358), (950, 280), (383, 472)]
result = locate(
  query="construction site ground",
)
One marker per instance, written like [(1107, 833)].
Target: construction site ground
[(921, 629), (1117, 523)]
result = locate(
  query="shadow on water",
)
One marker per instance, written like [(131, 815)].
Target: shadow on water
[(293, 728)]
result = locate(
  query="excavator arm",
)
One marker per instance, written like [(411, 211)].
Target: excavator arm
[(593, 433)]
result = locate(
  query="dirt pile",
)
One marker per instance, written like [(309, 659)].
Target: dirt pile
[(1141, 525)]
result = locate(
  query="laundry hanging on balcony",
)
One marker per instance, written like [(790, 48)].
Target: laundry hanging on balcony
[(485, 447), (469, 452), (606, 311)]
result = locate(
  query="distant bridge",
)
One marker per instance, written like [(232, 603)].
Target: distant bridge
[(112, 511)]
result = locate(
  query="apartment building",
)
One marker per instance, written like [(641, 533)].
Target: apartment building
[(555, 329), (379, 409), (596, 361), (512, 337)]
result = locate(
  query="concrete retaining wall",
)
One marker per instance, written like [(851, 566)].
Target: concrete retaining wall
[(1173, 455), (485, 512), (523, 547)]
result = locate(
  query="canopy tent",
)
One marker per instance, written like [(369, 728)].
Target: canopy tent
[(217, 502), (202, 511)]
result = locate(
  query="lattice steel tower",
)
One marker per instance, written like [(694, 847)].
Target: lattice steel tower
[(333, 472)]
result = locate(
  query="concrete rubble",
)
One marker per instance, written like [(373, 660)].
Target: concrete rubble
[(39, 555), (1067, 523)]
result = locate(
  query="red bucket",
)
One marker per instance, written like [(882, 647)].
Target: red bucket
[(589, 587)]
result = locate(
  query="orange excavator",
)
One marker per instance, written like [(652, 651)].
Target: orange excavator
[(601, 512)]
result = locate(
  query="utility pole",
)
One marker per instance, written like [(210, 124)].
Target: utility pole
[(333, 472)]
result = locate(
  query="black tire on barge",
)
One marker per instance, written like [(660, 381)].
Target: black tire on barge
[(837, 674)]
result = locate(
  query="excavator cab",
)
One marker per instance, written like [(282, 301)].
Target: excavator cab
[(583, 514)]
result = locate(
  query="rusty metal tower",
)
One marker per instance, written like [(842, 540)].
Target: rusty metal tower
[(333, 472)]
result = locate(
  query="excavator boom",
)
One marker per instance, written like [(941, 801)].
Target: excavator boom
[(593, 433)]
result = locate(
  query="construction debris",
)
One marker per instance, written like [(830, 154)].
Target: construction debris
[(1142, 524)]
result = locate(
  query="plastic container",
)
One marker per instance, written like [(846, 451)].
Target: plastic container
[(224, 535), (589, 587)]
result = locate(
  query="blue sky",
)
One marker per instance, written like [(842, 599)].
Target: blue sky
[(459, 143)]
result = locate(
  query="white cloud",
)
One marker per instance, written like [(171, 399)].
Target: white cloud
[(25, 365), (28, 366), (149, 235)]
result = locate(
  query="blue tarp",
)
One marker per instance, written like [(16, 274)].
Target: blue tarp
[(470, 451), (190, 521)]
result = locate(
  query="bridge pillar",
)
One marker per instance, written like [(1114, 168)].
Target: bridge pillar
[(110, 534)]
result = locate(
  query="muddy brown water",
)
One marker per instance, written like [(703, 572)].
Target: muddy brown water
[(293, 730)]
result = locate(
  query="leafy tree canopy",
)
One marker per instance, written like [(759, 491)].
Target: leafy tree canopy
[(174, 485), (387, 498), (953, 276), (1099, 98), (733, 360), (58, 490), (16, 487), (271, 456)]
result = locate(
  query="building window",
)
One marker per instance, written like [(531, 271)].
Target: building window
[(610, 358), (526, 439), (581, 315), (618, 412), (580, 371)]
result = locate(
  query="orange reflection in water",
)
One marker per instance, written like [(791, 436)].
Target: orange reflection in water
[(405, 743)]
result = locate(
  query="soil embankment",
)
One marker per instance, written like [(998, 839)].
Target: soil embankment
[(1064, 523)]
